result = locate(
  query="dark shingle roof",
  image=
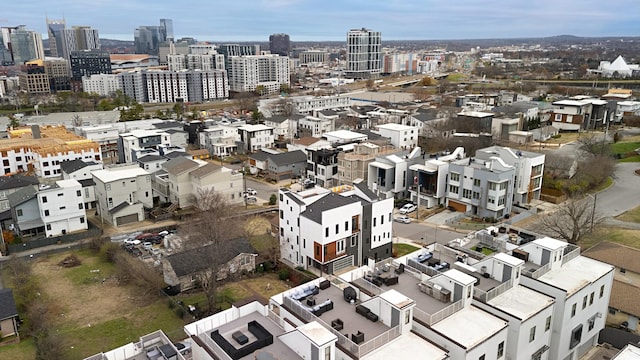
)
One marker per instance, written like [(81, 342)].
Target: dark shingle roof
[(179, 165), (177, 154), (17, 181), (87, 182), (70, 166), (118, 207), (260, 156), (327, 202), (149, 158), (190, 261), (22, 195), (277, 119), (167, 125), (293, 198), (286, 158), (7, 304), (365, 190), (624, 297), (174, 131)]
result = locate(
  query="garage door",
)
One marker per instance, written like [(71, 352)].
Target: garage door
[(128, 219), (458, 206)]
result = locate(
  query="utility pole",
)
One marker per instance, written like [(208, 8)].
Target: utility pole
[(593, 211)]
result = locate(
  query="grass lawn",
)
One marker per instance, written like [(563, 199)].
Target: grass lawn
[(632, 215), (401, 249), (635, 158), (624, 147), (24, 350), (565, 137), (605, 184), (621, 236)]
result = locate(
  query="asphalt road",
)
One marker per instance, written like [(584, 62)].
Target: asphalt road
[(264, 190), (623, 194)]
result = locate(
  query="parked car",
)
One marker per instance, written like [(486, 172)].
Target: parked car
[(250, 191), (163, 233), (136, 252), (155, 252), (156, 239), (408, 208), (147, 245), (251, 199), (132, 241), (145, 236), (403, 219)]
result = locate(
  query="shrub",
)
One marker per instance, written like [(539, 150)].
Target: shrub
[(179, 312), (273, 199), (108, 252), (283, 274)]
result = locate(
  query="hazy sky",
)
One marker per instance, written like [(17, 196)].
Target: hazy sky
[(306, 20)]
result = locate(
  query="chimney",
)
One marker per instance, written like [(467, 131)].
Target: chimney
[(35, 131)]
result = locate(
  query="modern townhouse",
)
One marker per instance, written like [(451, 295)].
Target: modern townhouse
[(390, 175), (9, 185), (333, 229), (256, 137), (123, 193), (403, 137), (315, 126), (130, 143), (353, 161), (82, 171), (429, 187), (50, 210)]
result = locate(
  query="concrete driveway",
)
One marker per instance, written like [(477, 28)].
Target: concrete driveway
[(623, 195)]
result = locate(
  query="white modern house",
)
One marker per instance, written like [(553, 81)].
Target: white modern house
[(256, 137), (82, 171), (315, 126), (430, 180), (331, 229), (401, 136), (123, 193), (130, 143), (580, 287), (62, 207)]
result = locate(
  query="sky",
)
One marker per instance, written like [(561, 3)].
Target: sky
[(315, 20)]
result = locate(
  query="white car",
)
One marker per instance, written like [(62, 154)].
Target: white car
[(250, 191), (147, 245), (407, 208), (132, 241), (403, 219)]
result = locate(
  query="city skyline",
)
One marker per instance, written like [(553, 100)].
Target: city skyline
[(307, 20)]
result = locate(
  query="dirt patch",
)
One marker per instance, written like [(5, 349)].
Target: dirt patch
[(81, 305), (257, 225), (637, 172)]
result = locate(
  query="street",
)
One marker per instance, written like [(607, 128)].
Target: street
[(620, 197), (423, 233)]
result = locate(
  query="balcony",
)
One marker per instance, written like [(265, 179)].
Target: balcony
[(431, 191)]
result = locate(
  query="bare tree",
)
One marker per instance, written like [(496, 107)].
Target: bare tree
[(572, 221), (594, 144), (286, 107), (212, 232)]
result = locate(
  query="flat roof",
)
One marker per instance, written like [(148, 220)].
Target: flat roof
[(255, 127), (397, 127), (511, 260), (67, 183), (345, 134), (470, 326), (407, 346), (381, 165), (630, 352), (521, 302), (571, 102), (113, 174), (317, 333), (549, 243), (396, 299), (576, 274), (459, 276)]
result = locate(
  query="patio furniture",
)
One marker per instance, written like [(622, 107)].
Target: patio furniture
[(337, 324), (358, 337), (240, 338)]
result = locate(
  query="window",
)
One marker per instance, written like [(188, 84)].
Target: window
[(47, 173), (46, 213), (482, 357), (354, 240), (573, 310), (19, 212), (558, 117), (374, 221), (466, 193), (326, 232), (48, 226), (44, 199), (591, 298), (592, 322), (576, 336), (492, 185), (281, 214), (455, 176), (601, 290), (78, 193), (337, 228), (501, 200), (80, 206), (340, 248), (60, 194), (584, 302), (491, 199), (500, 349), (82, 220), (503, 185), (407, 316), (453, 189), (532, 334), (476, 195), (381, 219), (476, 182), (547, 324), (281, 231)]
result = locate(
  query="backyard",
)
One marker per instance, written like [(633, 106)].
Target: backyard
[(94, 313)]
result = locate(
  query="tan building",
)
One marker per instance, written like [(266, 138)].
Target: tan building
[(353, 161), (33, 78)]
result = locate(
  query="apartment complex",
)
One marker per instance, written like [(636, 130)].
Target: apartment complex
[(364, 53), (89, 62), (159, 86), (101, 84), (268, 71)]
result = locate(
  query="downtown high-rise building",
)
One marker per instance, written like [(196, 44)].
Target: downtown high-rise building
[(147, 39), (24, 45), (55, 34), (280, 44), (89, 62), (364, 54), (63, 41)]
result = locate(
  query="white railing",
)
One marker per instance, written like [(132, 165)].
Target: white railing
[(571, 254), (431, 319), (541, 271), (485, 296), (378, 341)]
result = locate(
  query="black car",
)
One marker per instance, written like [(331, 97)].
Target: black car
[(136, 252), (156, 239)]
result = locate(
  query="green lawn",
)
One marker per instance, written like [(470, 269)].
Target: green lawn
[(24, 350), (635, 158), (632, 215), (622, 236), (403, 249), (625, 147), (605, 184)]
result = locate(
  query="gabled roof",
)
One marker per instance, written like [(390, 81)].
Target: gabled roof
[(23, 195), (286, 158), (205, 170), (624, 297), (150, 158), (167, 125), (17, 181), (179, 165), (7, 304), (362, 186), (177, 154), (190, 261), (259, 156), (330, 201), (71, 166), (617, 255), (277, 119), (307, 140)]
